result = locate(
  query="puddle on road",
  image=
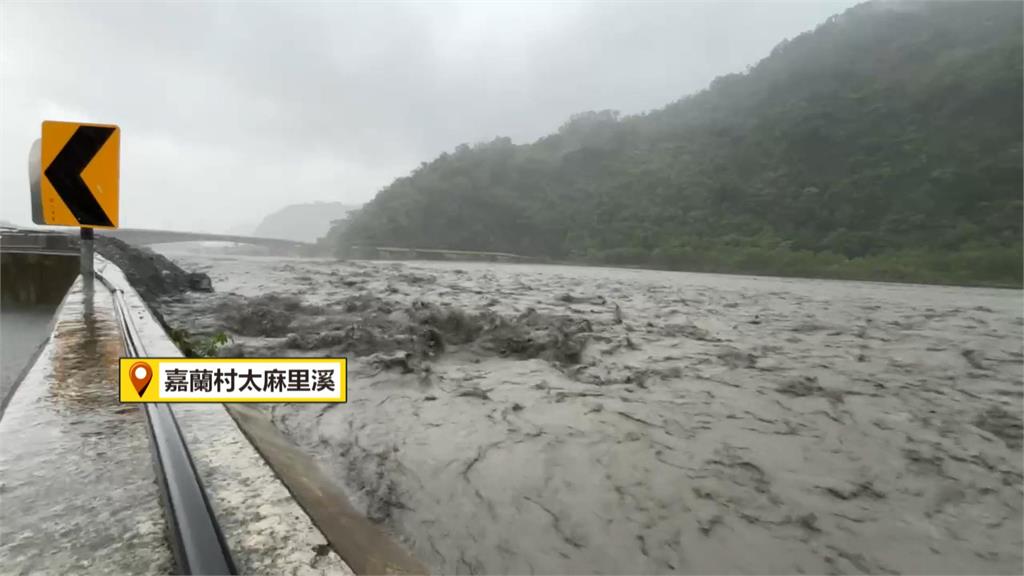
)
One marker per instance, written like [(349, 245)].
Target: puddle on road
[(81, 382)]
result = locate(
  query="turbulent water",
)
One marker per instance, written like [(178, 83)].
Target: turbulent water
[(533, 419)]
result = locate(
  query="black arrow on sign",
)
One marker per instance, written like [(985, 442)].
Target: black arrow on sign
[(65, 173)]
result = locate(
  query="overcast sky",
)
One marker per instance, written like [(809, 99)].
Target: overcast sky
[(230, 111)]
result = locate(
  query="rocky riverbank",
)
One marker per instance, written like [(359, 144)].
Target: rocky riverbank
[(152, 274)]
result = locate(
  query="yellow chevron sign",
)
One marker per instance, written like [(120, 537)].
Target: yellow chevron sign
[(80, 172)]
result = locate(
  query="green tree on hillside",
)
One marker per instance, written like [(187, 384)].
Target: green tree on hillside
[(885, 144)]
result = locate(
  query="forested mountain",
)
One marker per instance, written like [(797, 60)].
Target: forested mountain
[(302, 222), (884, 144)]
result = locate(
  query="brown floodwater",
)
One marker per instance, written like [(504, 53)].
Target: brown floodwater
[(592, 420)]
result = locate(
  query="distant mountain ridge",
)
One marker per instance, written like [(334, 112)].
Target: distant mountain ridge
[(302, 222), (885, 144)]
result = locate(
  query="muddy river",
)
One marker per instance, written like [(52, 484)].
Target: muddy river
[(544, 419)]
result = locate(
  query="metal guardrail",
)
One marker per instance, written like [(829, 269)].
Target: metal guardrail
[(14, 241), (198, 545)]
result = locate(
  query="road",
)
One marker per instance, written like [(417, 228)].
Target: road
[(79, 489), (86, 482)]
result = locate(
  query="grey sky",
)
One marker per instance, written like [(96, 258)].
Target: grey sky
[(229, 111)]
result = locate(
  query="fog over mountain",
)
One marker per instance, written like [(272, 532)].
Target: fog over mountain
[(302, 222)]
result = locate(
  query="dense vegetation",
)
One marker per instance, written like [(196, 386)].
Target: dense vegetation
[(885, 144)]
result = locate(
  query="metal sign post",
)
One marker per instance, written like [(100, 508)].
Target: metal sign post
[(87, 258)]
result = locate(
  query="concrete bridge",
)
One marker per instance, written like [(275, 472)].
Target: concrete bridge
[(142, 237), (66, 241)]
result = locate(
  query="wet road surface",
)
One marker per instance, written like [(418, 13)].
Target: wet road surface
[(266, 530), (77, 487)]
